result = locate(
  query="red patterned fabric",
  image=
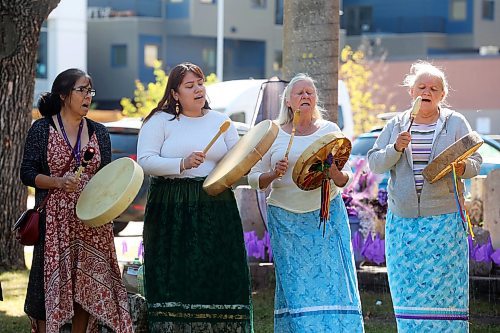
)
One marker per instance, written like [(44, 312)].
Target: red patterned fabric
[(80, 262)]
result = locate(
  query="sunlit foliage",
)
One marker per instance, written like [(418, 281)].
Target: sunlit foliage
[(147, 97)]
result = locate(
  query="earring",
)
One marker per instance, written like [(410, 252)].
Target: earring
[(177, 112)]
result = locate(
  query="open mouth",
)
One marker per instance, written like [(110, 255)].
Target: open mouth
[(426, 100), (85, 105), (198, 98), (305, 104)]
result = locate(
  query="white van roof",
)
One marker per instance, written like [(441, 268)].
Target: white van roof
[(224, 93)]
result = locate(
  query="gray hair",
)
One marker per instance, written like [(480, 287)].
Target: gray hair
[(286, 114), (422, 68)]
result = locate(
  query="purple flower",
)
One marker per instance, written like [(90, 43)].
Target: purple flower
[(382, 197)]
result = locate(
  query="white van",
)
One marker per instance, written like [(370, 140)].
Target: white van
[(251, 101)]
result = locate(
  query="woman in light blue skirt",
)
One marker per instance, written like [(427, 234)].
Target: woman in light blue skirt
[(316, 286), (426, 238)]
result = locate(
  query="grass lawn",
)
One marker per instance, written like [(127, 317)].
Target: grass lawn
[(377, 309)]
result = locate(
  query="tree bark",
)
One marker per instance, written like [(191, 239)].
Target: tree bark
[(311, 45), (20, 23)]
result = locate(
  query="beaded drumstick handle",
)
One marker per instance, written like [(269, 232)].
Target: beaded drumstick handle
[(87, 157)]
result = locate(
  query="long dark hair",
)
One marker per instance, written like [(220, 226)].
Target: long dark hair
[(175, 77), (50, 103)]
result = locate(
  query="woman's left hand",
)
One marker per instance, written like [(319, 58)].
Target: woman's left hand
[(460, 168), (338, 177)]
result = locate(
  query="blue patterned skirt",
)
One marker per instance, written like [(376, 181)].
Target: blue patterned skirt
[(316, 285), (428, 269)]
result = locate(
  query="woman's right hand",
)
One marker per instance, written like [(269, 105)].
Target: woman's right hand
[(68, 183), (280, 167), (402, 142), (194, 160)]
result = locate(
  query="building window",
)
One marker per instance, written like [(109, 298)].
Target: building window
[(458, 10), (208, 55), (488, 10), (358, 19), (150, 54), (278, 12), (41, 56), (278, 61), (118, 55), (258, 3)]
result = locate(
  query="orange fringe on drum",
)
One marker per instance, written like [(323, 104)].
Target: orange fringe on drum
[(324, 214)]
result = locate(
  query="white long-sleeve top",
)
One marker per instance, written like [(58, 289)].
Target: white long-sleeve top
[(284, 193), (164, 142)]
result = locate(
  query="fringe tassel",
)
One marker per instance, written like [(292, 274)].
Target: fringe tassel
[(324, 214), (463, 212)]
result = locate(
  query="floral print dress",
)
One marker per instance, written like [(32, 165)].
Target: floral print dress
[(80, 261)]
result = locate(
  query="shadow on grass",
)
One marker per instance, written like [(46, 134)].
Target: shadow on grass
[(11, 324)]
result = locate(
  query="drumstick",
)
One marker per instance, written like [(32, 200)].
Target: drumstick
[(414, 110), (225, 125), (87, 157), (295, 121), (296, 118)]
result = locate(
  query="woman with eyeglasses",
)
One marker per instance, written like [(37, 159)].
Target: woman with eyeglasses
[(426, 238), (74, 275), (196, 273)]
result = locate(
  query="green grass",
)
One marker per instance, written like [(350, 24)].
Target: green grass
[(378, 316), (12, 317)]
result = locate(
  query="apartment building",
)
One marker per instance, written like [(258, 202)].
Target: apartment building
[(63, 43), (125, 37), (424, 28)]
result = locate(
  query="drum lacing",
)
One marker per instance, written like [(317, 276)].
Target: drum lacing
[(258, 153)]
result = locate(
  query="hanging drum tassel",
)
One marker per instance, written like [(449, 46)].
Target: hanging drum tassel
[(324, 214), (463, 212)]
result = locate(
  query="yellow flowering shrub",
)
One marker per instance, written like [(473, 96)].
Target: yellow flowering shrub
[(147, 97)]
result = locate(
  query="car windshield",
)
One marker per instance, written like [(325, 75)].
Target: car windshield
[(123, 144), (489, 153), (361, 145)]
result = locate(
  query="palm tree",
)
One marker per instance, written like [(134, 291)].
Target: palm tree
[(20, 24), (311, 45)]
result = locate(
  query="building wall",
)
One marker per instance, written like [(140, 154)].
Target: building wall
[(110, 81), (473, 84), (66, 47), (417, 20), (187, 31), (486, 32)]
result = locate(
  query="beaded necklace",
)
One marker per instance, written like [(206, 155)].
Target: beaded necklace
[(76, 150)]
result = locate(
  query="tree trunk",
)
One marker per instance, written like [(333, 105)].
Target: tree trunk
[(20, 23), (311, 45)]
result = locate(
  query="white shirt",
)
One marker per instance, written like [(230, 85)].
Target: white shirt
[(284, 192), (164, 142)]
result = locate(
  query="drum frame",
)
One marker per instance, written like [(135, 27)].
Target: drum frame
[(215, 186), (335, 143)]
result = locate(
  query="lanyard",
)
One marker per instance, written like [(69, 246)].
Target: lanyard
[(75, 151)]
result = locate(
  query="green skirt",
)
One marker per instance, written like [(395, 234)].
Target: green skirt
[(196, 272)]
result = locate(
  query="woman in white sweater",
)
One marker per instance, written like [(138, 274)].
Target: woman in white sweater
[(316, 286), (196, 273)]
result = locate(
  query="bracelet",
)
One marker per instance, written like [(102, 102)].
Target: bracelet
[(182, 162)]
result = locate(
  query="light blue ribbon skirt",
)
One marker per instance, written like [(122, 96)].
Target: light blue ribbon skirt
[(428, 269), (316, 285)]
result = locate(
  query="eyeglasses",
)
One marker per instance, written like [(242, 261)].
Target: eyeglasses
[(85, 91)]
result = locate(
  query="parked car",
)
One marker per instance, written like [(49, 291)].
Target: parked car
[(490, 152), (124, 135)]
